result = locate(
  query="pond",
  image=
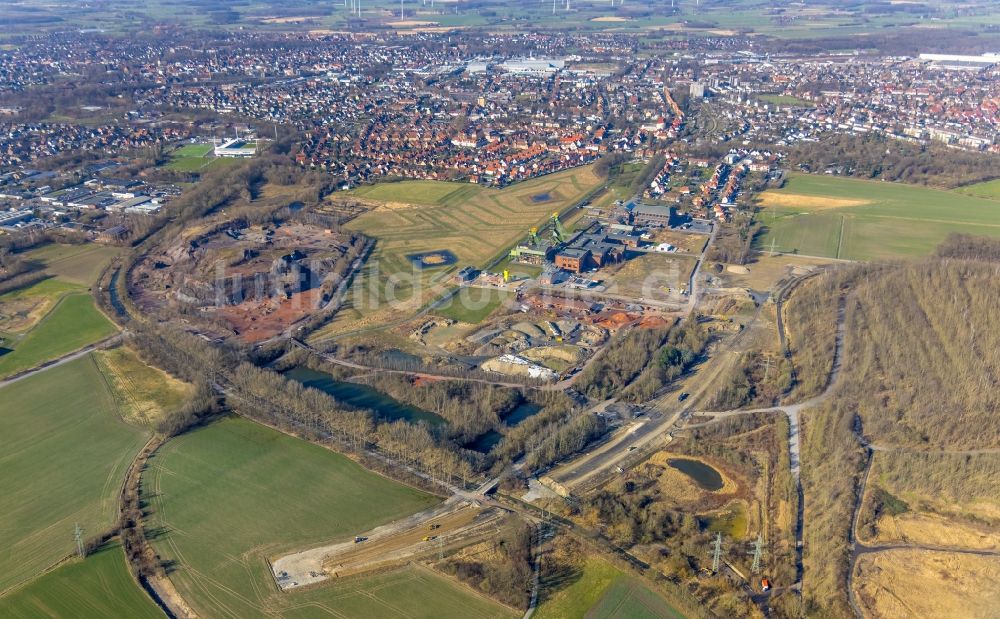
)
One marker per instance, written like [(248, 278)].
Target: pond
[(484, 443), (705, 476), (541, 197), (363, 396), (522, 412), (732, 522)]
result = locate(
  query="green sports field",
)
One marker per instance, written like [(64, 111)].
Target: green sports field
[(65, 451), (852, 219), (787, 100), (95, 588), (195, 158), (233, 494)]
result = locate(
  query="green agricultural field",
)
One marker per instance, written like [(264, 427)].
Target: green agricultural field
[(706, 18), (98, 587), (852, 219), (628, 598), (73, 323), (233, 494), (65, 451), (413, 592), (601, 590), (472, 305), (80, 264), (23, 308)]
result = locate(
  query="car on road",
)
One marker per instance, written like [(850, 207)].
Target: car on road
[(358, 539), (683, 396)]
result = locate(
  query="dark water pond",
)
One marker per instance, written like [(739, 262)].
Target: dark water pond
[(363, 396), (705, 476), (485, 442), (522, 412), (541, 197)]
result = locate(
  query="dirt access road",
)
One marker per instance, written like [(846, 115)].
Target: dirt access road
[(461, 517), (858, 548)]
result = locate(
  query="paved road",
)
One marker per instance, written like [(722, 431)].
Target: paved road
[(600, 458), (694, 290)]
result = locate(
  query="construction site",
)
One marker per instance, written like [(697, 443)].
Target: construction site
[(251, 282), (446, 528)]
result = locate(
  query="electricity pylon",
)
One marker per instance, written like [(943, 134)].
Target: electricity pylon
[(758, 552), (716, 552), (78, 537)]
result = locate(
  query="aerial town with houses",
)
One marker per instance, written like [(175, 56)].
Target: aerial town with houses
[(480, 309)]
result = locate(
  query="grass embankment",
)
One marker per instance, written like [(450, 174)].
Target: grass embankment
[(64, 457), (898, 583), (98, 587), (235, 493), (867, 220), (472, 305), (831, 463), (989, 190), (144, 393), (810, 319), (600, 590)]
